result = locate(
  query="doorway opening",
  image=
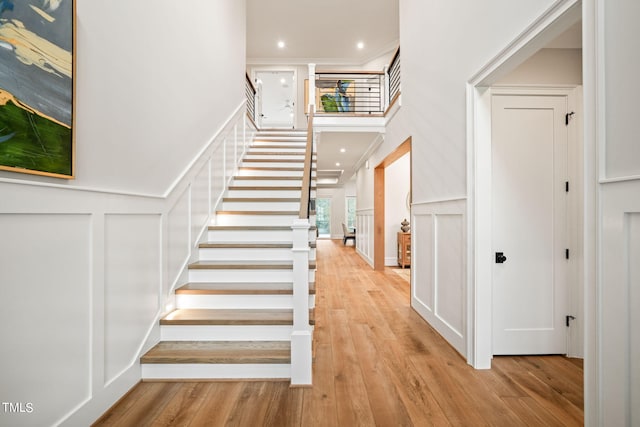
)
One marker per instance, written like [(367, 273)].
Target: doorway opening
[(482, 253), (379, 201), (276, 95)]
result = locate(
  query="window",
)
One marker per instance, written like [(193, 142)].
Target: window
[(323, 217), (350, 215)]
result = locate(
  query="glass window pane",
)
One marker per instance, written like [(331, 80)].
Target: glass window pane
[(323, 217)]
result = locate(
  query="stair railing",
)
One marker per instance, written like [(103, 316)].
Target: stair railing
[(393, 79), (250, 93), (301, 336)]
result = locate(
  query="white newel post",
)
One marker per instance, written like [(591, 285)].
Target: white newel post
[(301, 335), (311, 96)]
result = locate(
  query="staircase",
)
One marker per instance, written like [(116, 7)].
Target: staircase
[(234, 319)]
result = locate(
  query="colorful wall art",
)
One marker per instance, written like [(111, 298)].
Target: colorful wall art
[(36, 87)]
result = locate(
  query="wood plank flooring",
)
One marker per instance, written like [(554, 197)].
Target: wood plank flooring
[(377, 363)]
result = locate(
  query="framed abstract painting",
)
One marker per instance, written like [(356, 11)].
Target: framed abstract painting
[(36, 87)]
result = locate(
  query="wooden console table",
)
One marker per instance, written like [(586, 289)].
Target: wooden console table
[(404, 249)]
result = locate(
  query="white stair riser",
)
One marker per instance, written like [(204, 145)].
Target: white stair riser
[(261, 164), (225, 332), (261, 206), (269, 172), (242, 275), (265, 182), (254, 235), (270, 139), (238, 301), (256, 149), (251, 219), (194, 371), (280, 156), (251, 254), (247, 192), (232, 254)]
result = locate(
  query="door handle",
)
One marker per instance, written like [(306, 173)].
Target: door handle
[(500, 258)]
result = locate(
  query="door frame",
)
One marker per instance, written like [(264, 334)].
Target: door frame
[(278, 69), (379, 200), (558, 18)]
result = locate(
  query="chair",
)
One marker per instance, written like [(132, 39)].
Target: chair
[(348, 235)]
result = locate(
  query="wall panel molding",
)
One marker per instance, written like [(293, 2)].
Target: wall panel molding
[(364, 234), (96, 267), (439, 284)]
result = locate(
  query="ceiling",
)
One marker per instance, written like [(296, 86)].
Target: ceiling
[(322, 32), (325, 33), (329, 146)]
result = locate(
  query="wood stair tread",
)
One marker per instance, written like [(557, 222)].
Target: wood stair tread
[(245, 160), (252, 152), (266, 178), (251, 288), (251, 245), (235, 317), (272, 169), (267, 187), (247, 245), (300, 146), (254, 227), (260, 199), (219, 352), (245, 265), (258, 212)]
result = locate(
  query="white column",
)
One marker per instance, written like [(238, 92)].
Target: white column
[(312, 87), (301, 371)]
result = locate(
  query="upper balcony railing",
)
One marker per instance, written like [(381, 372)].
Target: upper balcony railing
[(393, 77), (356, 93), (340, 92)]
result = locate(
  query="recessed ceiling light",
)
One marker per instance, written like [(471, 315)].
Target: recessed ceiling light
[(343, 150), (360, 45), (281, 44), (283, 80), (338, 164)]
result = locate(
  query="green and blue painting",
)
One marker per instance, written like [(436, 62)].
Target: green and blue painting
[(36, 86)]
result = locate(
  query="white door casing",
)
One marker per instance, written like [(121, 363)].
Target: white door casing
[(529, 223)]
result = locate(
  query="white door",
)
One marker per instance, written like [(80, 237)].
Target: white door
[(529, 172), (277, 99)]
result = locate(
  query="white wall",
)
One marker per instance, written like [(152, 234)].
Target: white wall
[(397, 185), (85, 273), (153, 85), (612, 383), (442, 46), (548, 67)]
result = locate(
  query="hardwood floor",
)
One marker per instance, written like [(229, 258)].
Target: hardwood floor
[(377, 363)]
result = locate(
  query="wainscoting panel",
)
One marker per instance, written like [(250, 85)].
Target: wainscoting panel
[(364, 234), (45, 262), (422, 249), (200, 203), (450, 272), (438, 263), (84, 275), (619, 321), (217, 175), (633, 282), (131, 287), (178, 248)]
